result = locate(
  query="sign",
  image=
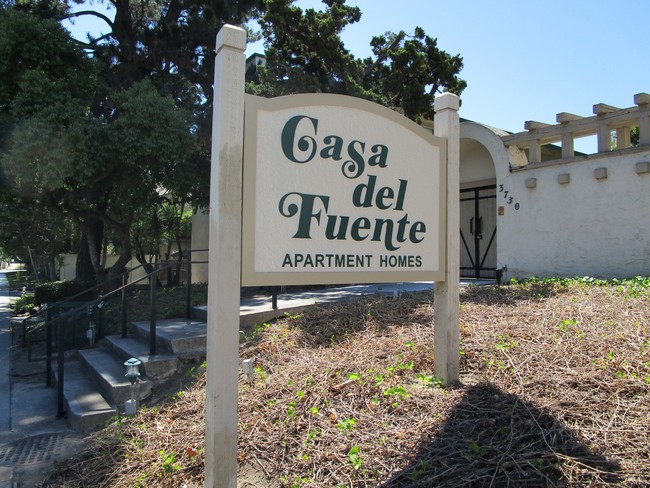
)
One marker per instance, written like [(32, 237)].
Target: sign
[(340, 190), (333, 190)]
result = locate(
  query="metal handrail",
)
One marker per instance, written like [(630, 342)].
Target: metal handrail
[(50, 322), (98, 286), (48, 309)]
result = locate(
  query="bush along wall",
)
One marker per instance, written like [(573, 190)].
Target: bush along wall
[(57, 291)]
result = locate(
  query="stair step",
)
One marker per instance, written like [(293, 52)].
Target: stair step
[(156, 367), (86, 407), (108, 372), (200, 312), (180, 336)]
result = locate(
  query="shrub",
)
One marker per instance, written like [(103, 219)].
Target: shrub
[(24, 304), (57, 291)]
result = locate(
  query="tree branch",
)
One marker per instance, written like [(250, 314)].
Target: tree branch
[(385, 52), (81, 13), (94, 41)]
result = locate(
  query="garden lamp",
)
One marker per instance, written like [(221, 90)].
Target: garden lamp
[(90, 333), (132, 374)]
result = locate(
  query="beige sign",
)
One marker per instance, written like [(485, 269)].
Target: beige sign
[(340, 190)]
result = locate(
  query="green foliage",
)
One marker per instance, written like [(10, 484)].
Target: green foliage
[(354, 454), (410, 70), (305, 54), (430, 381), (346, 425), (632, 287), (169, 464), (291, 411), (24, 304), (420, 470), (57, 291), (504, 344), (304, 51), (45, 82), (96, 137), (477, 450), (397, 391)]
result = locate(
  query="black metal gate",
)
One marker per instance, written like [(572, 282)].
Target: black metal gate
[(478, 231)]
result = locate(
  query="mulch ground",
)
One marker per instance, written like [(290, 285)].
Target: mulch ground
[(556, 392)]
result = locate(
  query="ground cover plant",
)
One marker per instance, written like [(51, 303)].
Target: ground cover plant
[(556, 392)]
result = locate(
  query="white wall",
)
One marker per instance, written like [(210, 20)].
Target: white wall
[(476, 163), (200, 240), (68, 263), (588, 227)]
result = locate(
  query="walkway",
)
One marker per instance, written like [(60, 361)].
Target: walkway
[(6, 473), (31, 438)]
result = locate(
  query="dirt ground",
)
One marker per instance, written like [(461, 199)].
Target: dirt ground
[(555, 392)]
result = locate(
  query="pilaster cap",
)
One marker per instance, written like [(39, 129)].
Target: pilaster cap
[(231, 36), (446, 101)]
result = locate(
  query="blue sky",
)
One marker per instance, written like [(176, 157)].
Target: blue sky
[(523, 60)]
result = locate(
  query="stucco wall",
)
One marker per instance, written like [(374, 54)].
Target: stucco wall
[(473, 168), (68, 262), (200, 240), (587, 227)]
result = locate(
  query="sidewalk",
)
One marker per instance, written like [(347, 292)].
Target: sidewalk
[(259, 310), (31, 438), (6, 473)]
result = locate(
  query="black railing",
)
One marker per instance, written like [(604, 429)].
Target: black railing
[(56, 320)]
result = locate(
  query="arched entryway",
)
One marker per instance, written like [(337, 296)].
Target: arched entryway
[(478, 211)]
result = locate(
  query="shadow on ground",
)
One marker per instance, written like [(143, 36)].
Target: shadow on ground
[(493, 438)]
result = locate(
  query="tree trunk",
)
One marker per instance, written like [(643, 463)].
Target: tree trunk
[(90, 250), (142, 259), (123, 232), (84, 267)]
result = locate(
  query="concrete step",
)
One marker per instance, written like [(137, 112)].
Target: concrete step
[(255, 311), (156, 367), (200, 312), (86, 407), (6, 477), (183, 337), (107, 371)]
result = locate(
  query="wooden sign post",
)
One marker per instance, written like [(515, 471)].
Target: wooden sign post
[(225, 260), (446, 294)]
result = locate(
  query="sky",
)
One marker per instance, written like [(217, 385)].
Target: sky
[(523, 60)]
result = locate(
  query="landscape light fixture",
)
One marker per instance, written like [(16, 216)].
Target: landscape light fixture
[(91, 332), (132, 374)]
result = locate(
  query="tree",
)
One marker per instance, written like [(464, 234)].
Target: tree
[(158, 234), (102, 155), (42, 80), (100, 171), (409, 71), (96, 130), (305, 54), (170, 42), (32, 241)]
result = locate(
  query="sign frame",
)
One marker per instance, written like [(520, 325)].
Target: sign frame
[(297, 104)]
